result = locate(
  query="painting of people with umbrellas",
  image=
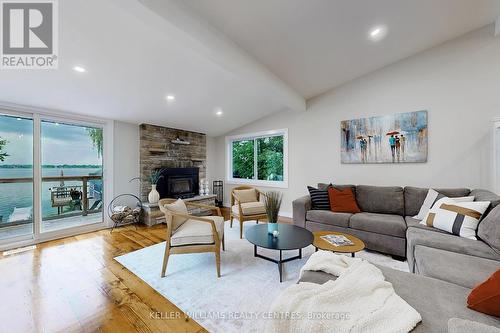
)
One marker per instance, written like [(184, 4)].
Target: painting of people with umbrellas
[(397, 138)]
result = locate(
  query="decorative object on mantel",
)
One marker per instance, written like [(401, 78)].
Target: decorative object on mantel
[(125, 209), (218, 190), (154, 196), (396, 138), (272, 202), (179, 141), (204, 189)]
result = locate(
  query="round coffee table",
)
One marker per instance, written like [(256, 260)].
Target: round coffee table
[(290, 238), (322, 244)]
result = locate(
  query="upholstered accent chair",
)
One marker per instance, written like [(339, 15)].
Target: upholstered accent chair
[(189, 233), (246, 205)]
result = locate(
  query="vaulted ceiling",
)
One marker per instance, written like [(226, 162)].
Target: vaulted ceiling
[(246, 58)]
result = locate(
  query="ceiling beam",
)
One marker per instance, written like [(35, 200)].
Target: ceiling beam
[(176, 20)]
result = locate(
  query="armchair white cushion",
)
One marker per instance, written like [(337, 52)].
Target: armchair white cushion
[(193, 232), (250, 208)]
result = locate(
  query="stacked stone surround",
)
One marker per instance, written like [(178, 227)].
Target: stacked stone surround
[(157, 151)]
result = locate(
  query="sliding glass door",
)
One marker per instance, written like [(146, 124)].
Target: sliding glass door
[(51, 176), (16, 176), (72, 190)]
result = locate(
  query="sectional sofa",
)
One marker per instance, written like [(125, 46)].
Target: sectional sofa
[(446, 267), (387, 214)]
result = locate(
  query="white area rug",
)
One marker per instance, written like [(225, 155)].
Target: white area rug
[(245, 290)]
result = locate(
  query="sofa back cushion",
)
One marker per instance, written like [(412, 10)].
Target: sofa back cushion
[(489, 229), (324, 186), (414, 197), (380, 199), (485, 195)]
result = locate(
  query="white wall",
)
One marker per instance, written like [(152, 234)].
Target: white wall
[(125, 158), (457, 82)]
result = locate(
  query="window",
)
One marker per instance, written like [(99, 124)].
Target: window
[(258, 158)]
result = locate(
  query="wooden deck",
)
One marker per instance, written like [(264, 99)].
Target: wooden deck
[(74, 285), (61, 222)]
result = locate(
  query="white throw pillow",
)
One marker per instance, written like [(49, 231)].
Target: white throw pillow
[(445, 200), (177, 207), (430, 199), (458, 218)]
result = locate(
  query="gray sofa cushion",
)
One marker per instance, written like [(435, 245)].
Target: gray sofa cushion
[(386, 224), (323, 186), (415, 196), (449, 266), (329, 217), (447, 242), (380, 199), (459, 325), (489, 229), (437, 301), (485, 195)]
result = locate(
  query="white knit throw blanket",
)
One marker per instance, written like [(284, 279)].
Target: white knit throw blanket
[(360, 300)]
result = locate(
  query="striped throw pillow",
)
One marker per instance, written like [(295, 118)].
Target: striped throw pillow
[(439, 202), (458, 218), (319, 198)]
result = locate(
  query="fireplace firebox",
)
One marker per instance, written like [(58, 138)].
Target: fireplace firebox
[(177, 183)]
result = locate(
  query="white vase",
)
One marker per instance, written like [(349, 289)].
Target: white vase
[(153, 196)]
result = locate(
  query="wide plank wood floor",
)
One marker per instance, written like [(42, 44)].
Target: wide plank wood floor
[(74, 285)]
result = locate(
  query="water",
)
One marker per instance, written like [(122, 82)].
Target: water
[(20, 195)]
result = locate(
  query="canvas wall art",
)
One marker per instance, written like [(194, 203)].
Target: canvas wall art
[(397, 138)]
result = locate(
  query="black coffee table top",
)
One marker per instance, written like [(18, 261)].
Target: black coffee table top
[(290, 237)]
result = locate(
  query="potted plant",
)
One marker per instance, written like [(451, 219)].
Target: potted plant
[(154, 196), (272, 202)]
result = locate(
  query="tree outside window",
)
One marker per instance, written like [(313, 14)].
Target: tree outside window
[(243, 159), (260, 158)]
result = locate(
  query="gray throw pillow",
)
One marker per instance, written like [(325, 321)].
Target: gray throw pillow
[(489, 229)]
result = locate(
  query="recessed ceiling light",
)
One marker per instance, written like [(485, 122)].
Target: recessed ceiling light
[(377, 33), (218, 112), (170, 98), (79, 69)]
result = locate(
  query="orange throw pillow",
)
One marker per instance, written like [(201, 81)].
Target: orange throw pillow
[(485, 297), (342, 200)]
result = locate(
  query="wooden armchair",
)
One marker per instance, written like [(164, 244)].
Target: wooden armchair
[(246, 205), (191, 234)]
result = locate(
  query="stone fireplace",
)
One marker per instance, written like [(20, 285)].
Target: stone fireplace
[(176, 152)]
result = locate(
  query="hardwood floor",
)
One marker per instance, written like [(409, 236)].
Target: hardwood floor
[(74, 285)]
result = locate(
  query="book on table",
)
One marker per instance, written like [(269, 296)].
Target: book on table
[(337, 240)]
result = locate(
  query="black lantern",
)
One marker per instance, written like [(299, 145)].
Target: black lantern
[(218, 190)]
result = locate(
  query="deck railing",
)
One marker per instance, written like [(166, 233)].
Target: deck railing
[(85, 191)]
